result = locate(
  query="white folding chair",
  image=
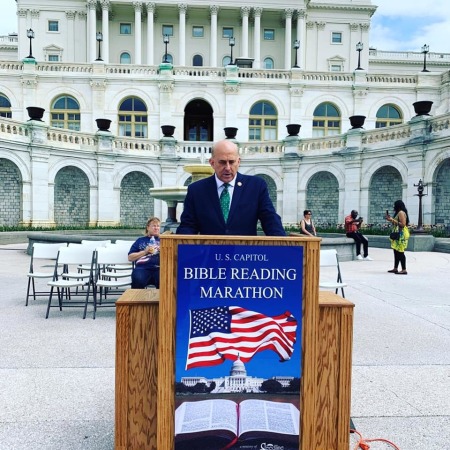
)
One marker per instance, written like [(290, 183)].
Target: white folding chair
[(108, 281), (43, 256), (329, 258), (71, 258)]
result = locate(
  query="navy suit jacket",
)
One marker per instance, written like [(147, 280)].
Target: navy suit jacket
[(250, 203)]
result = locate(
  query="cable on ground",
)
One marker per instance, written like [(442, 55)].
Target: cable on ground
[(363, 444)]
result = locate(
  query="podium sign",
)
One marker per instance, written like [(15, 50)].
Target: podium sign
[(238, 346)]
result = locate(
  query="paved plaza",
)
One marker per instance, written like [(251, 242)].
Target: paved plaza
[(57, 375)]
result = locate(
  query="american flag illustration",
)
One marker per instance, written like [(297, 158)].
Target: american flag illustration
[(224, 332)]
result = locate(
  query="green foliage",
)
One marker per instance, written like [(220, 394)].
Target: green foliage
[(63, 228)]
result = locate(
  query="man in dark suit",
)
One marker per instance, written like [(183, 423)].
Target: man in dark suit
[(209, 210)]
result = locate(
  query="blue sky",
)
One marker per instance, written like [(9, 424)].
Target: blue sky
[(397, 25)]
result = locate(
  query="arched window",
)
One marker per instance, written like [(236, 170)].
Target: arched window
[(263, 122), (197, 60), (226, 61), (326, 121), (133, 118), (125, 58), (5, 107), (388, 115), (65, 113), (268, 63)]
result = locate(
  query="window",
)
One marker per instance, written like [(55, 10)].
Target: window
[(198, 32), (53, 58), (326, 121), (65, 113), (227, 32), (269, 34), (53, 25), (388, 115), (125, 58), (197, 60), (5, 107), (268, 63), (336, 37), (133, 118), (336, 68), (167, 29), (263, 122), (125, 28)]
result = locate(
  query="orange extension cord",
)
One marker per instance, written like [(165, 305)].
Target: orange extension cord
[(363, 444)]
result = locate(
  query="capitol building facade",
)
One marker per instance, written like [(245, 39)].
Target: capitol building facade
[(201, 67)]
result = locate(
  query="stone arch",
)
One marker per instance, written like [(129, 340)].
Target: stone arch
[(442, 194), (271, 186), (71, 197), (322, 197), (11, 212), (136, 204), (385, 188)]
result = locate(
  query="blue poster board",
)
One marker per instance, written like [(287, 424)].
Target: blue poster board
[(238, 346)]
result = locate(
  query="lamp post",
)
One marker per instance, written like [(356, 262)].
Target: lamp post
[(30, 36), (420, 188), (231, 42), (99, 37), (166, 41), (359, 47), (425, 50), (296, 47)]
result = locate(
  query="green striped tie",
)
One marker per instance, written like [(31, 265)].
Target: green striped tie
[(225, 201)]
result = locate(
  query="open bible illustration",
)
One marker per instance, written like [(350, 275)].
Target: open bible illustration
[(224, 424)]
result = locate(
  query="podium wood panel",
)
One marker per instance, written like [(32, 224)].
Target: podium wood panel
[(136, 369)]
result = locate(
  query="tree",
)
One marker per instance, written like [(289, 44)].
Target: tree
[(271, 386)]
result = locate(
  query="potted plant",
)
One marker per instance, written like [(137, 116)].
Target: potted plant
[(293, 129), (423, 107), (103, 124), (230, 132), (35, 113), (167, 130), (357, 121)]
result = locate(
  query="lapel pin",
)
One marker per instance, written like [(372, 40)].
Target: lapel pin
[(239, 183)]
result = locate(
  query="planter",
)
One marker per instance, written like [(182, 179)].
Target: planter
[(167, 130), (103, 124), (293, 129), (35, 113), (230, 132), (423, 107), (357, 121)]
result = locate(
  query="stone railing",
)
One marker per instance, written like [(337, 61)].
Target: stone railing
[(256, 147), (62, 67), (11, 66), (10, 129), (324, 76), (391, 79), (70, 138), (263, 74), (375, 54), (323, 143), (210, 72), (9, 39), (195, 149), (122, 69), (126, 143), (395, 132)]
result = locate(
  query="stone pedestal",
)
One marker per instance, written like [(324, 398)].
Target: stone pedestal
[(420, 243)]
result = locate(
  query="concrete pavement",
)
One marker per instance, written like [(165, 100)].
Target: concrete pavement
[(57, 375)]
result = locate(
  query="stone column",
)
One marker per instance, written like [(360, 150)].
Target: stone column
[(70, 46), (81, 51), (245, 11), (39, 155), (150, 19), (23, 44), (182, 8), (231, 88), (214, 10), (288, 38), (257, 12), (301, 37), (92, 30), (290, 165), (137, 32), (105, 30), (165, 93)]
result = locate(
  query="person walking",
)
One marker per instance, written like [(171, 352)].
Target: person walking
[(400, 223), (229, 203), (352, 230)]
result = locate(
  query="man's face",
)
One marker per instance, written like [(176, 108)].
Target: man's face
[(354, 214), (225, 161)]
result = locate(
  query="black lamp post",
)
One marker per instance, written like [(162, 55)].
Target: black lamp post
[(30, 36), (296, 47), (420, 188), (359, 47), (166, 41), (231, 42), (99, 37), (425, 50)]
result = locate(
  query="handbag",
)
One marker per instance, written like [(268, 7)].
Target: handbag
[(394, 236)]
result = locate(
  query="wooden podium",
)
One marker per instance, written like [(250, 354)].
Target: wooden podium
[(145, 363)]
